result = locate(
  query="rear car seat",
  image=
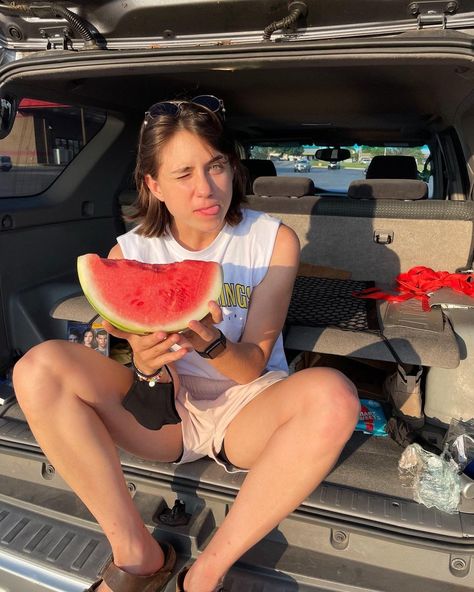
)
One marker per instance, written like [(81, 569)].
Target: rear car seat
[(338, 234), (406, 189), (283, 186), (256, 167), (392, 167)]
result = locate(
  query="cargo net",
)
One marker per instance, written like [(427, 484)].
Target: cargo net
[(324, 302)]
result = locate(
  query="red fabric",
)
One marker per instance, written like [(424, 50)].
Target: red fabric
[(36, 103), (419, 282)]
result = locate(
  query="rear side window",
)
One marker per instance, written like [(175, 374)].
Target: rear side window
[(44, 139)]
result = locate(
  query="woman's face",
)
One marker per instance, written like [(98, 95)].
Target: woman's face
[(195, 183), (88, 337)]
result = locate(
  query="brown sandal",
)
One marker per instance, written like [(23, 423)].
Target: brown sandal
[(180, 582), (119, 580)]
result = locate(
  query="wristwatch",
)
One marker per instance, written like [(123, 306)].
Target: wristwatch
[(215, 348)]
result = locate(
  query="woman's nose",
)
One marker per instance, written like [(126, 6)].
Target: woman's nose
[(204, 184)]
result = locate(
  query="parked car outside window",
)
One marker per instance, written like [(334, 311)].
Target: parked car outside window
[(302, 165)]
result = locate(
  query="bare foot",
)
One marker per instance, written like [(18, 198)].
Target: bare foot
[(201, 579)]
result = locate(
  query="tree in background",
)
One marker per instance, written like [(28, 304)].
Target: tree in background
[(260, 152), (264, 152), (295, 151), (415, 151)]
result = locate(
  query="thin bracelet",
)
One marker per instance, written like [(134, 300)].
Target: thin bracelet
[(150, 378)]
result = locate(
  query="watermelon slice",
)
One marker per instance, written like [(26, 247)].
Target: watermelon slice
[(144, 298)]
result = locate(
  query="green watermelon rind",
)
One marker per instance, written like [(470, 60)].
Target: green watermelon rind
[(198, 314)]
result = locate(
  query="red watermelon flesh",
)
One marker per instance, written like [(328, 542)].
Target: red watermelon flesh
[(144, 298)]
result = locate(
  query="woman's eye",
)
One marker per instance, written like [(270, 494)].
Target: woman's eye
[(217, 166)]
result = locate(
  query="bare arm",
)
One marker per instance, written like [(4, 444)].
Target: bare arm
[(245, 361), (116, 252)]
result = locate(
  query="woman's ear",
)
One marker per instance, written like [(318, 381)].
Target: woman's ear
[(154, 187)]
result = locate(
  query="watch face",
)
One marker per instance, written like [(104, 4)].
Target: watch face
[(214, 350)]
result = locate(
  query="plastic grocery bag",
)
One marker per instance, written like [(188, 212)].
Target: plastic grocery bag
[(435, 479), (459, 443)]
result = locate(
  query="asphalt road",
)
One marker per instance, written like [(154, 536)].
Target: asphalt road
[(324, 178), (32, 180)]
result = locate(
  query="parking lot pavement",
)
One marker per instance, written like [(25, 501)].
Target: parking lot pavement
[(323, 178)]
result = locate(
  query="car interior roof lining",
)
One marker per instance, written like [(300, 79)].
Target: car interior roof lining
[(343, 103)]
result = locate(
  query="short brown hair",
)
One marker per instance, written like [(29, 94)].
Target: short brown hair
[(152, 214)]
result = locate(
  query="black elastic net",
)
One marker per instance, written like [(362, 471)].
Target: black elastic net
[(325, 302)]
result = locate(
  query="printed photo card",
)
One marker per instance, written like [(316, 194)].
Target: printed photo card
[(91, 335)]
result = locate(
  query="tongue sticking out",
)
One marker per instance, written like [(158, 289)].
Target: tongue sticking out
[(209, 211)]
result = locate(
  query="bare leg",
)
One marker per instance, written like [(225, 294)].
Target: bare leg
[(308, 419), (71, 396)]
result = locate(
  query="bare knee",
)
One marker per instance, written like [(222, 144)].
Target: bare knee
[(330, 400), (38, 368)]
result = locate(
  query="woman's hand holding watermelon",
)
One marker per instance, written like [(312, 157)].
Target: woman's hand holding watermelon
[(154, 350), (200, 333), (151, 351)]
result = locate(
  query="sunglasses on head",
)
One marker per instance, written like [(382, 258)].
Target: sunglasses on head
[(209, 102)]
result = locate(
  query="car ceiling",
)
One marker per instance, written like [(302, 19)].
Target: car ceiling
[(332, 101)]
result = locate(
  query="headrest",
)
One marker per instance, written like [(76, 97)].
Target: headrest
[(406, 189), (283, 186), (259, 167), (392, 167)]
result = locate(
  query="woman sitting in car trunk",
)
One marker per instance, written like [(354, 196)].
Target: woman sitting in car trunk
[(221, 389)]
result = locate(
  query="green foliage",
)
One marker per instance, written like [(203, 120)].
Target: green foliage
[(295, 151), (416, 151), (264, 152), (260, 152)]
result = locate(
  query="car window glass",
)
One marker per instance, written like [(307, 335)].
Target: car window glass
[(43, 141), (335, 177)]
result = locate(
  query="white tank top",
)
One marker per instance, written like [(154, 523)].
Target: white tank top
[(244, 251)]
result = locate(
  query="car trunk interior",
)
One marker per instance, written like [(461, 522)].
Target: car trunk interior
[(377, 92), (367, 463)]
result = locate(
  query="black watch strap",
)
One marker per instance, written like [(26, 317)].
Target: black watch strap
[(215, 348)]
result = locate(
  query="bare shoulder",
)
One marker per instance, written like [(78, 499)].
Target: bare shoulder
[(287, 236), (116, 252), (287, 245)]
